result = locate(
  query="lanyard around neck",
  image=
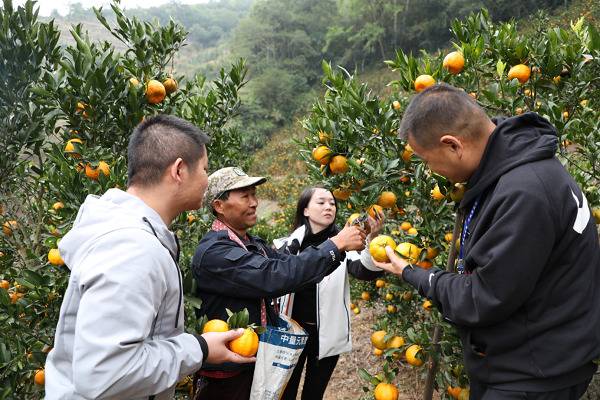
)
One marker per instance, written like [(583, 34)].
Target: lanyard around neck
[(464, 234)]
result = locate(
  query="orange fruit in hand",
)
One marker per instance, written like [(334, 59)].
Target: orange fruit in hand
[(246, 345), (386, 391), (9, 226), (409, 251), (40, 377), (322, 154), (387, 200), (378, 245), (374, 210), (377, 340), (521, 72), (215, 325), (454, 62), (170, 85), (423, 82), (155, 92), (54, 257), (413, 354), (338, 165), (352, 217)]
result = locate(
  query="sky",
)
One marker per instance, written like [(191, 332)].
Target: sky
[(62, 6)]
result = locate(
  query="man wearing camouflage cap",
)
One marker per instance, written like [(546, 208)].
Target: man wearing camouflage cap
[(235, 270)]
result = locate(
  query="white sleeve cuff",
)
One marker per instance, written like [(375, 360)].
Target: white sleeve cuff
[(367, 261)]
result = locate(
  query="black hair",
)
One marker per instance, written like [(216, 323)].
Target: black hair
[(438, 110), (157, 142), (307, 194)]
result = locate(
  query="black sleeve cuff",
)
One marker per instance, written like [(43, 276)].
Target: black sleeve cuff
[(421, 279), (203, 347)]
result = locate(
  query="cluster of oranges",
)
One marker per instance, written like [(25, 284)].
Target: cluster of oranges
[(245, 345)]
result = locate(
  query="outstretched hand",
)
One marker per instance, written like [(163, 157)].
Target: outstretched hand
[(349, 238), (218, 352), (396, 264)]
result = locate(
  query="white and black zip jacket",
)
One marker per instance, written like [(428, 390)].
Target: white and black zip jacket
[(333, 295)]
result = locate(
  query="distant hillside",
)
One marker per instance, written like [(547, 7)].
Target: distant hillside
[(209, 25)]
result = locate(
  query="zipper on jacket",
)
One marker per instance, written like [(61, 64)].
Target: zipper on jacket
[(176, 261)]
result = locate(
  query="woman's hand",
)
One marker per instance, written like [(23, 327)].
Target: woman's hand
[(396, 264), (349, 238)]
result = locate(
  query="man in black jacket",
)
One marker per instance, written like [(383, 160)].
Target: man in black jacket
[(235, 270), (526, 296)]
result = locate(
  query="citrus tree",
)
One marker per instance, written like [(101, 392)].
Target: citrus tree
[(67, 114), (352, 146)]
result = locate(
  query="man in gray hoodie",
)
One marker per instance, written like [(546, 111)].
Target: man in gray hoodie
[(120, 333)]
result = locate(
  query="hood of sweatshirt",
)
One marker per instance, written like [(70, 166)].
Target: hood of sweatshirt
[(515, 141), (116, 209)]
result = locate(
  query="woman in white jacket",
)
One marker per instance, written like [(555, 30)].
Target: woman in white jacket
[(323, 309)]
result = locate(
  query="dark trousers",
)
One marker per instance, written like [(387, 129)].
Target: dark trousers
[(318, 372), (234, 388), (483, 392)]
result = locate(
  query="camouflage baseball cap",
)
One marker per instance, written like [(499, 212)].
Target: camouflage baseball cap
[(229, 178)]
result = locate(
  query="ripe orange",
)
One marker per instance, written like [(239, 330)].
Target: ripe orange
[(405, 226), (80, 108), (9, 226), (352, 306), (366, 296), (437, 194), (407, 153), (454, 392), (322, 154), (356, 310), (72, 149), (375, 209), (387, 199), (133, 81), (427, 305), (405, 178), (378, 245), (377, 340), (4, 284), (454, 62), (407, 295), (338, 165), (432, 253), (448, 237), (58, 205), (412, 231), (413, 355), (215, 325), (170, 85), (155, 92), (395, 343), (191, 218), (40, 377), (342, 194), (565, 115), (54, 257), (377, 352), (409, 251), (246, 345), (425, 264), (15, 296), (389, 296), (379, 283), (556, 79), (391, 309), (521, 72), (386, 391), (396, 105), (94, 173), (423, 82)]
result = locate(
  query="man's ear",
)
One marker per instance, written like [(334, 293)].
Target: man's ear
[(452, 143), (176, 169), (217, 205)]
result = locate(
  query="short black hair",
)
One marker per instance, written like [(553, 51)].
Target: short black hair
[(438, 110), (157, 142), (305, 197)]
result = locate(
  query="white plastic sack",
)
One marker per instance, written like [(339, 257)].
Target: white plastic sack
[(278, 352)]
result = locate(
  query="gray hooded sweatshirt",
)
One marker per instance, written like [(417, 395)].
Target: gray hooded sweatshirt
[(120, 331)]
